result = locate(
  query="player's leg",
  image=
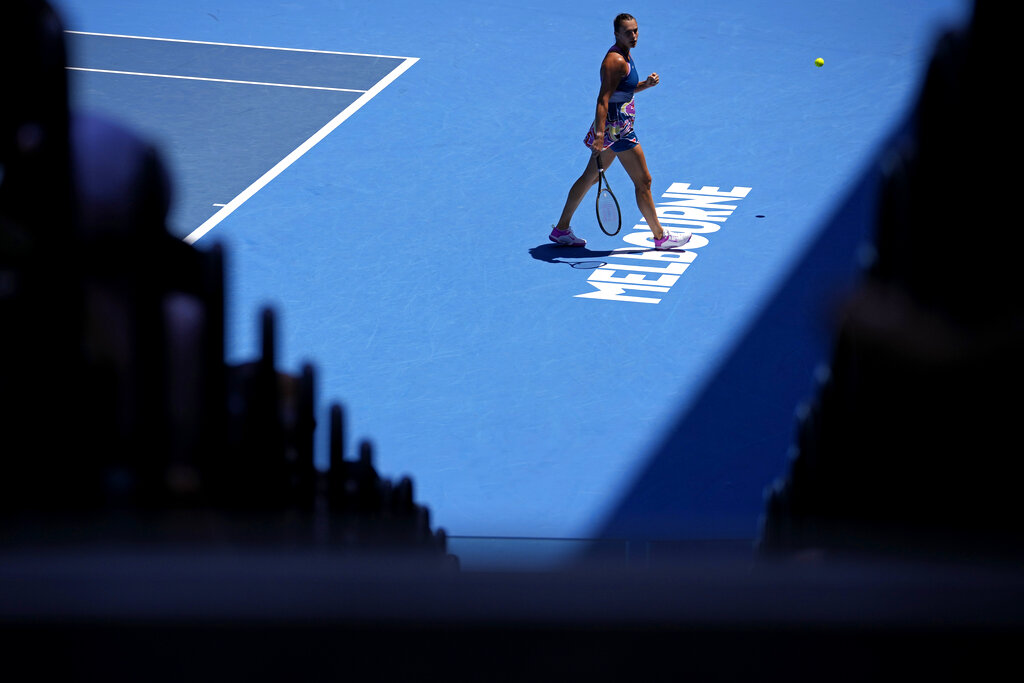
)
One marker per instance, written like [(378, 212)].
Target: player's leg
[(635, 163), (580, 188)]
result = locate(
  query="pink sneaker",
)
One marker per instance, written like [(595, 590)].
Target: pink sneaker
[(566, 238), (670, 241)]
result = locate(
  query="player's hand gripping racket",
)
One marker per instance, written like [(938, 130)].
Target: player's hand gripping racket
[(608, 215)]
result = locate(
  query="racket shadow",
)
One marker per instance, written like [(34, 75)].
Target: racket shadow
[(576, 257)]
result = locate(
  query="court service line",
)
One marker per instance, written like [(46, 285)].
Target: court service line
[(209, 80), (229, 208), (253, 47)]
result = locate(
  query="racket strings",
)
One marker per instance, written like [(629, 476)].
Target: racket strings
[(608, 215), (607, 209)]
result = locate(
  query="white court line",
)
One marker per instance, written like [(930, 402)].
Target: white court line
[(226, 211), (209, 80), (254, 47)]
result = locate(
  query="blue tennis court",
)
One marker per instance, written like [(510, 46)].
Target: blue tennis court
[(385, 177)]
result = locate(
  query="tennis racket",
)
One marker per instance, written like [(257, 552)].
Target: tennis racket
[(608, 215)]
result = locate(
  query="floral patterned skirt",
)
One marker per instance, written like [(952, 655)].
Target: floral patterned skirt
[(618, 127)]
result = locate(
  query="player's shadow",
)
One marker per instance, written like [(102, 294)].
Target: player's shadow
[(576, 257)]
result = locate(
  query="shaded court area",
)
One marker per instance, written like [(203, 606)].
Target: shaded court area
[(224, 115)]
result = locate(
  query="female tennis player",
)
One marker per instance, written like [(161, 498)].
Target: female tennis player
[(612, 137)]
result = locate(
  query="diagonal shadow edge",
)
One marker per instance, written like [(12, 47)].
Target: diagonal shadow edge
[(706, 478)]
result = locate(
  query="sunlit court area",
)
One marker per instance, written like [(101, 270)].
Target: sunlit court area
[(301, 377)]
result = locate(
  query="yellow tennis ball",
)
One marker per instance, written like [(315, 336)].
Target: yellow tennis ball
[(819, 62)]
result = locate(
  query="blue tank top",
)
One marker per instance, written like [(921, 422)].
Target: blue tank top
[(624, 92)]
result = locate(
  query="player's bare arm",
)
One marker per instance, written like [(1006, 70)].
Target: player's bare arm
[(649, 82), (613, 69)]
